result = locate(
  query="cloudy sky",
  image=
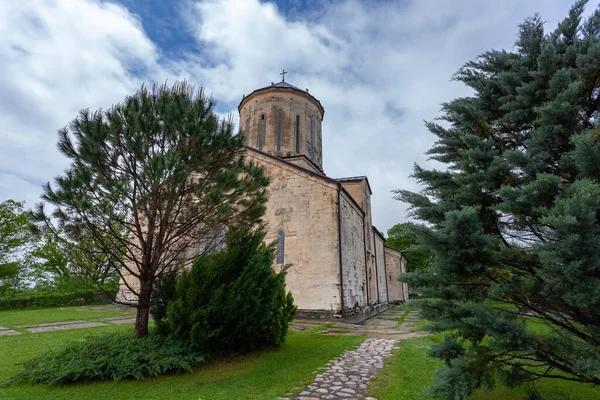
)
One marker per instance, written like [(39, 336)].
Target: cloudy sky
[(378, 67)]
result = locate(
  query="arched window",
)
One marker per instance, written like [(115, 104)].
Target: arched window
[(280, 246), (261, 135), (312, 138), (247, 133), (279, 117), (297, 134)]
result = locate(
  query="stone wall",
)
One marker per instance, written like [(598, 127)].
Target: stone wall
[(359, 190), (396, 264), (380, 269), (304, 207), (267, 103), (301, 161), (353, 253)]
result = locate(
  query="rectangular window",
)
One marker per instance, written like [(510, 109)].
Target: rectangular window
[(262, 132), (311, 138), (297, 134), (247, 131), (280, 246), (219, 241), (279, 131)]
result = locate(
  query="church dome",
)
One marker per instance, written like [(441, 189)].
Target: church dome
[(284, 121)]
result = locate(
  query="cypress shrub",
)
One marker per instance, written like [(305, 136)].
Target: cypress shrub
[(232, 301), (109, 357)]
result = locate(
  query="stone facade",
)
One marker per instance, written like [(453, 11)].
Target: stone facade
[(304, 207), (283, 120), (339, 263), (396, 263), (353, 254)]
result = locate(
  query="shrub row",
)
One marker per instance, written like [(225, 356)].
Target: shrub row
[(52, 299), (109, 357)]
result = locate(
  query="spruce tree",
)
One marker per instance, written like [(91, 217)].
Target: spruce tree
[(513, 222), (149, 178)]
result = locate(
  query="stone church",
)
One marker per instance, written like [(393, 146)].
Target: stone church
[(322, 225), (340, 266)]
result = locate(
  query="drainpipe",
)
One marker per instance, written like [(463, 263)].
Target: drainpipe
[(340, 248), (376, 269), (366, 265), (404, 285), (387, 284)]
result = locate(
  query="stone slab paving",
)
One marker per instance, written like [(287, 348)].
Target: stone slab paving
[(65, 327), (348, 376), (122, 321), (53, 324), (4, 331)]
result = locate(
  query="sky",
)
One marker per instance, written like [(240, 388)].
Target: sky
[(380, 68)]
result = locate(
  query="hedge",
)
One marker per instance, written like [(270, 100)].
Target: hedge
[(52, 299)]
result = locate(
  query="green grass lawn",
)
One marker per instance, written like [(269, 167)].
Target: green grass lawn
[(14, 318), (264, 375), (409, 372)]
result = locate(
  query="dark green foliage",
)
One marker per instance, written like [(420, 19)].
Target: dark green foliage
[(163, 293), (232, 300), (109, 357), (400, 237), (513, 223), (147, 178), (54, 298)]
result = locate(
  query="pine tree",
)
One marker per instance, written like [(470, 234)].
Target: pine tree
[(513, 223), (148, 178)]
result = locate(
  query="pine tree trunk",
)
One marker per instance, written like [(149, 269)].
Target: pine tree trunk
[(143, 310)]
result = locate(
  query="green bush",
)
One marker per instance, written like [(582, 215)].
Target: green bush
[(232, 300), (52, 299), (109, 357), (162, 293)]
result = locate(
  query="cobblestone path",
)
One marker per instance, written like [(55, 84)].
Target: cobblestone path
[(348, 377)]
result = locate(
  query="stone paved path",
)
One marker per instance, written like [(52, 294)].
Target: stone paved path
[(7, 332), (67, 325), (348, 376)]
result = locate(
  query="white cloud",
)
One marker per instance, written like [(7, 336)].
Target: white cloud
[(379, 69), (59, 57)]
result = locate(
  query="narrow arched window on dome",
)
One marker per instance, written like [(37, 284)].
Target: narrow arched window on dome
[(261, 135), (297, 134), (247, 133), (280, 246), (279, 117), (312, 138)]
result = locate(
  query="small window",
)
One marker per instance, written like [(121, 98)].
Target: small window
[(312, 138), (247, 133), (202, 246), (280, 246), (279, 117), (261, 136), (219, 241), (297, 134)]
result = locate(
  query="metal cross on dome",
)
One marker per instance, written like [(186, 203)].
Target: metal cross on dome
[(283, 75)]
